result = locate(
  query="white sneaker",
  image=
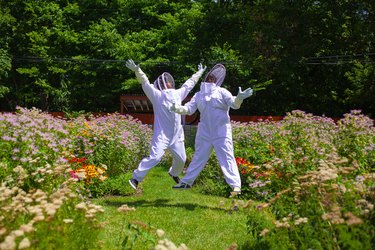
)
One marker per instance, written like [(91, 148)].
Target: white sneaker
[(236, 191)]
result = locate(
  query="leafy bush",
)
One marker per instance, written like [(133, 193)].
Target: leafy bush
[(315, 176), (325, 209), (50, 167), (355, 139), (117, 141), (117, 185)]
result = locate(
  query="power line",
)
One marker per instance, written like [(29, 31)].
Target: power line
[(30, 59), (341, 56), (320, 60), (341, 62), (341, 59)]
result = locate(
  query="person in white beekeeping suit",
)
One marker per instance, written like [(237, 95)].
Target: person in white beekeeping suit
[(168, 130), (214, 129)]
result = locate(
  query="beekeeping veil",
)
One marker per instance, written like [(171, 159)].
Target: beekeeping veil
[(164, 81), (217, 73)]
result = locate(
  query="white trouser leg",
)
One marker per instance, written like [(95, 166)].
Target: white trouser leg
[(179, 158), (202, 153), (224, 152), (156, 153)]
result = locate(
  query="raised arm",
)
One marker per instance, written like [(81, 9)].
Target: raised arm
[(190, 83), (235, 102), (148, 88)]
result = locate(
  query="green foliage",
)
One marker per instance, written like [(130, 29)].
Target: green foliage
[(75, 233), (49, 169), (355, 139), (116, 185), (112, 140), (314, 178), (69, 55), (309, 184), (361, 89), (161, 208), (210, 180), (5, 66)]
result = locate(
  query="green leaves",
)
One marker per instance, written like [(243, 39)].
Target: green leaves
[(33, 71), (287, 43)]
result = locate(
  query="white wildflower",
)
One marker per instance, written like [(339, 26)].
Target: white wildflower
[(81, 205), (25, 243), (264, 232), (9, 243), (125, 208), (160, 233), (68, 221), (300, 220)]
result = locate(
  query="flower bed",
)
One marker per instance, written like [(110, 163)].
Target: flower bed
[(50, 166), (310, 181)]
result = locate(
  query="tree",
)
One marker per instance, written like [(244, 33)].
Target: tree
[(69, 55)]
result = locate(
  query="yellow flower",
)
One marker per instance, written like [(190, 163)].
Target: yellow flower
[(87, 125)]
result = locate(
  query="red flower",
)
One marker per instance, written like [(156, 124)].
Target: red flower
[(241, 161)]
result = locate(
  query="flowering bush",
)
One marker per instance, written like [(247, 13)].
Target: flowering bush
[(81, 170), (32, 144), (313, 178), (355, 139), (36, 193), (115, 140), (255, 179), (329, 208), (49, 165)]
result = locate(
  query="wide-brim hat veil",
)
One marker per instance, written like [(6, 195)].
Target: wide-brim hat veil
[(218, 72)]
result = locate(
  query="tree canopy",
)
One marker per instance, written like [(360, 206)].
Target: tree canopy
[(68, 55)]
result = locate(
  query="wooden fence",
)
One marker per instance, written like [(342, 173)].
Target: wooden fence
[(140, 107)]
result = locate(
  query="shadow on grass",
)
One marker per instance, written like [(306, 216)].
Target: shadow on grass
[(161, 203)]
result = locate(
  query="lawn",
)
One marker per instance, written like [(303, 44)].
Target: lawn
[(186, 216)]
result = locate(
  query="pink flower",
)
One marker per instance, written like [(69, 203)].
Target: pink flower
[(73, 175)]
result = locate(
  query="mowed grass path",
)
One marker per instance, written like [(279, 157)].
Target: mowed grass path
[(187, 216)]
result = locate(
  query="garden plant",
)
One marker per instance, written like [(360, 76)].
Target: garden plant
[(307, 183)]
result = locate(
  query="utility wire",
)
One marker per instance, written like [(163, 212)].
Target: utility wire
[(324, 60), (341, 59), (338, 56), (31, 59)]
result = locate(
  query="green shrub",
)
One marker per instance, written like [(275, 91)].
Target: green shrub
[(49, 169), (314, 176), (116, 185)]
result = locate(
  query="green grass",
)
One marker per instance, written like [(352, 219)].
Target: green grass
[(187, 216)]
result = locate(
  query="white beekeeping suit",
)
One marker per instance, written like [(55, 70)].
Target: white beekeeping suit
[(214, 129), (168, 131)]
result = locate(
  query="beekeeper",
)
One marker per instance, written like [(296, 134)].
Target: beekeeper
[(168, 131), (214, 129)]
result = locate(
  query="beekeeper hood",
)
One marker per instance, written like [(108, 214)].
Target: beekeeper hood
[(216, 75), (164, 81)]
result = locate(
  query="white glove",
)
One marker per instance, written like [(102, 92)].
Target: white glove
[(200, 67), (178, 109), (199, 73), (141, 76), (244, 94), (132, 66)]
